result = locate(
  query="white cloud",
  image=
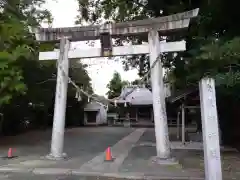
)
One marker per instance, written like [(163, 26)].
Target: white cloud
[(64, 13), (103, 73)]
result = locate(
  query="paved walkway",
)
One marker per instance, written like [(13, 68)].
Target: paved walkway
[(131, 148), (119, 151)]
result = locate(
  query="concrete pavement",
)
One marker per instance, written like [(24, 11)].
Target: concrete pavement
[(28, 176), (81, 145), (132, 148)]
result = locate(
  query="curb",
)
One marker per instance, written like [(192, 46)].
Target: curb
[(132, 176), (63, 171), (15, 170), (52, 171)]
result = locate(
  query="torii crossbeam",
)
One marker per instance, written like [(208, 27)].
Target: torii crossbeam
[(117, 51), (148, 27), (163, 25)]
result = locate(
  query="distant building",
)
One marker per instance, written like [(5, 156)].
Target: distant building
[(138, 101), (95, 114)]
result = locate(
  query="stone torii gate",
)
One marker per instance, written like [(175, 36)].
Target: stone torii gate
[(151, 27)]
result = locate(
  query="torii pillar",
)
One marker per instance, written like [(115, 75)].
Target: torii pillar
[(60, 102), (160, 116)]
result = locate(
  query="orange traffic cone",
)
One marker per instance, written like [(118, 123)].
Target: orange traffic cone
[(108, 155), (10, 153)]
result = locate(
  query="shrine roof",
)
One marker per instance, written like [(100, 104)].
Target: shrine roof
[(136, 95)]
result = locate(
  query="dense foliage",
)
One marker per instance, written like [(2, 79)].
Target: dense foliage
[(27, 86), (215, 28), (213, 41)]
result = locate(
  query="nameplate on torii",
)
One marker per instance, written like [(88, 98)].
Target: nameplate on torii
[(117, 51)]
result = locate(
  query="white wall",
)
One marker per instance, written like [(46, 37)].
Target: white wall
[(101, 117)]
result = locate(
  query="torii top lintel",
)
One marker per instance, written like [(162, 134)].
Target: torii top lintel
[(83, 33)]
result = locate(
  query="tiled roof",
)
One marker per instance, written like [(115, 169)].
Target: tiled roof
[(93, 106), (139, 96)]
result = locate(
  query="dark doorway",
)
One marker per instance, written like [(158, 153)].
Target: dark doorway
[(144, 112), (91, 116)]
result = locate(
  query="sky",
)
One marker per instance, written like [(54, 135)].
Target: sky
[(100, 70)]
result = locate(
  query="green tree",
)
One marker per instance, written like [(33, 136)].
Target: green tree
[(212, 23), (16, 43), (27, 86), (17, 49), (115, 86)]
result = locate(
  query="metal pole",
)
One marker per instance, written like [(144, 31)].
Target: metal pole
[(178, 125), (152, 117), (160, 116), (183, 124), (136, 109), (60, 102)]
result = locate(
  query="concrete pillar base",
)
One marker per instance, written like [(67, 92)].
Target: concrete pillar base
[(161, 161), (51, 157)]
